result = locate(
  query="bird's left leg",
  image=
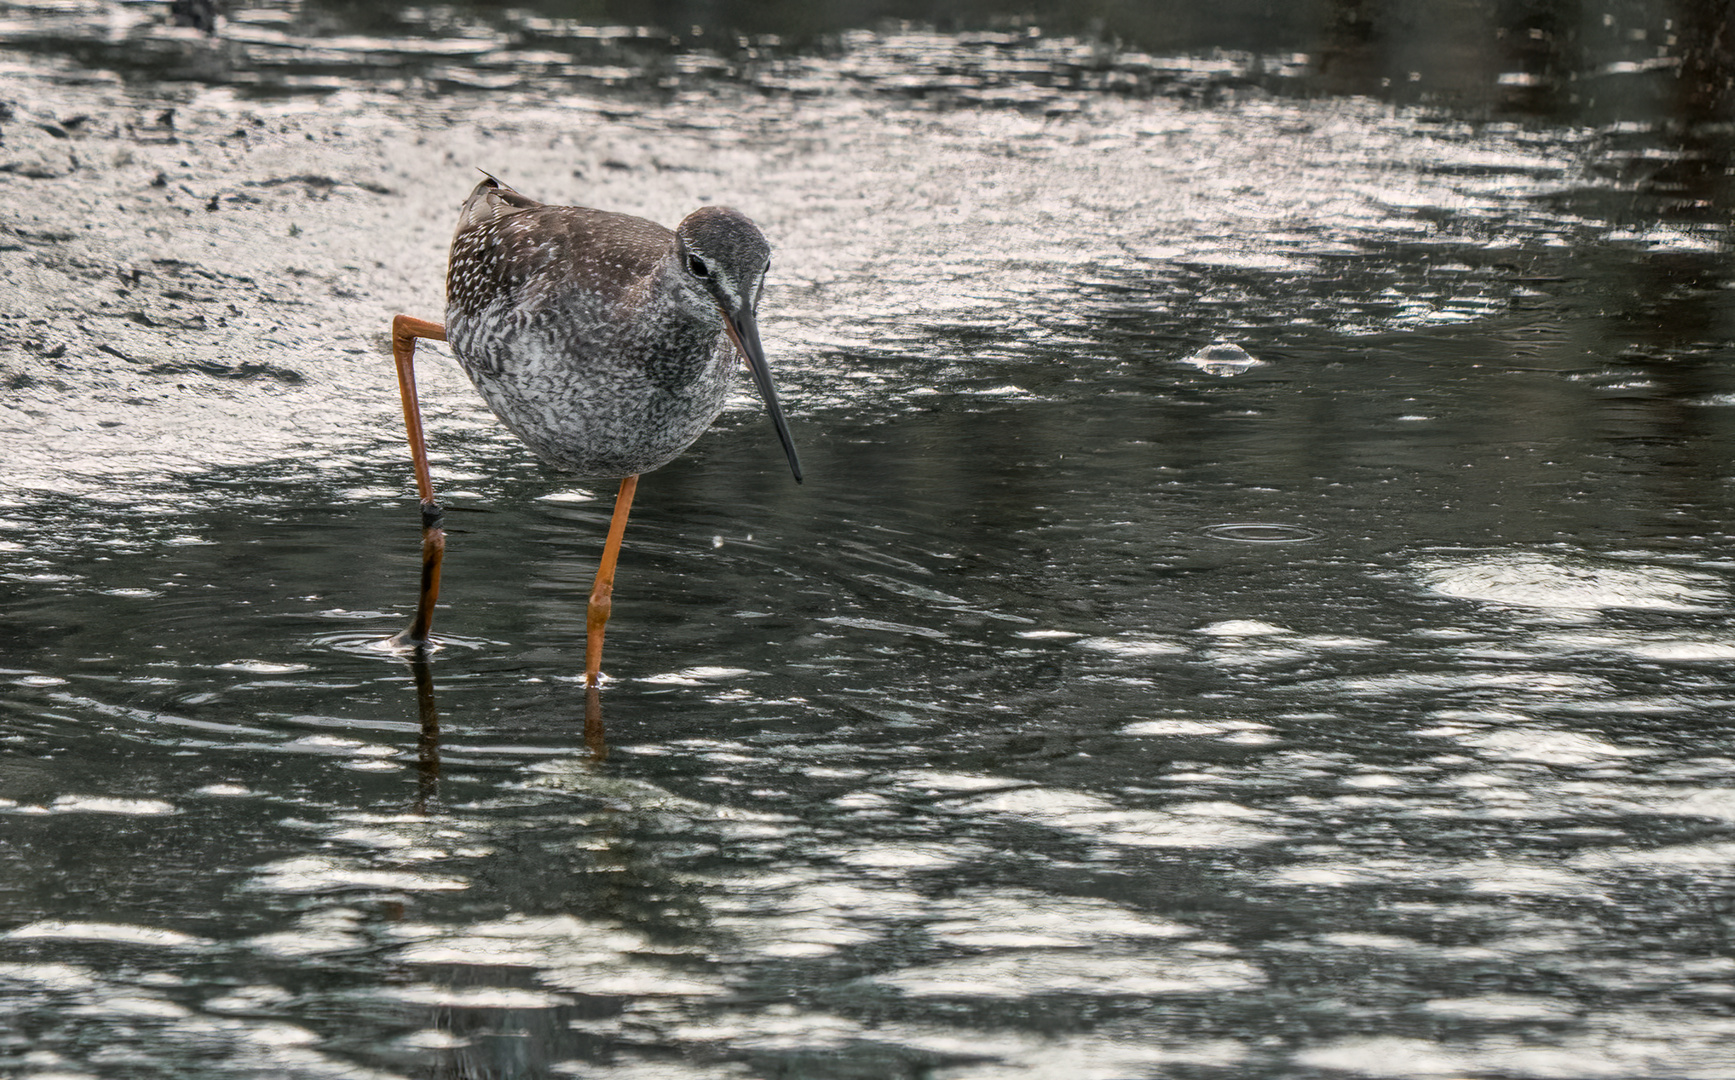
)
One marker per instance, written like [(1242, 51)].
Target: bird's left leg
[(602, 593), (405, 331)]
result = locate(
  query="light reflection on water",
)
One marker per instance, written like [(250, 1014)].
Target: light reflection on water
[(1012, 743), (1126, 836)]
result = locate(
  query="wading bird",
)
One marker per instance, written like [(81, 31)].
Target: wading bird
[(604, 341)]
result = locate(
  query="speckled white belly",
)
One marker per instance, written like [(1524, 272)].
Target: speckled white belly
[(600, 418)]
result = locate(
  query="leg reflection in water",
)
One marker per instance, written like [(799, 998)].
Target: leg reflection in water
[(428, 742)]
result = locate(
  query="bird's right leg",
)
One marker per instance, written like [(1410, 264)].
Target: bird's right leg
[(405, 331), (602, 592)]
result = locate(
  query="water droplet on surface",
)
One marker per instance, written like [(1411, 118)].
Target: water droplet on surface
[(1224, 358)]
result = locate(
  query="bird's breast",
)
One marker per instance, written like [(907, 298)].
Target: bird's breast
[(586, 395)]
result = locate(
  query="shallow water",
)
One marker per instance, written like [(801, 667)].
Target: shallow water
[(1259, 605)]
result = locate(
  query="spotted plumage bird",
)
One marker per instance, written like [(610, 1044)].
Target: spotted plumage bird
[(606, 342)]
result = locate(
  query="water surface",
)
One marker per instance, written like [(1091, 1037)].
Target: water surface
[(1259, 605)]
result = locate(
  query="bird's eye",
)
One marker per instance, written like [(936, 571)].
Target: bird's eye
[(696, 266)]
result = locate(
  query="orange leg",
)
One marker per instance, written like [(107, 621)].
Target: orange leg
[(405, 331), (602, 593)]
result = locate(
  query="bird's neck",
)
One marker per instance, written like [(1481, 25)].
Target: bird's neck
[(669, 334)]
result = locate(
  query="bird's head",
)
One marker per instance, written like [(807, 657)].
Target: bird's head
[(723, 259)]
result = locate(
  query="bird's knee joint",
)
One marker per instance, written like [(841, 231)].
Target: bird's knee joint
[(433, 514), (601, 606)]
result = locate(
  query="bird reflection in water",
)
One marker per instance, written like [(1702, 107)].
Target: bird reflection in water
[(428, 740)]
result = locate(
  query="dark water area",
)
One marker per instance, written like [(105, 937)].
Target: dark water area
[(1259, 605)]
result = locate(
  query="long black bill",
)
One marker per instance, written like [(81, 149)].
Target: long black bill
[(744, 332)]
